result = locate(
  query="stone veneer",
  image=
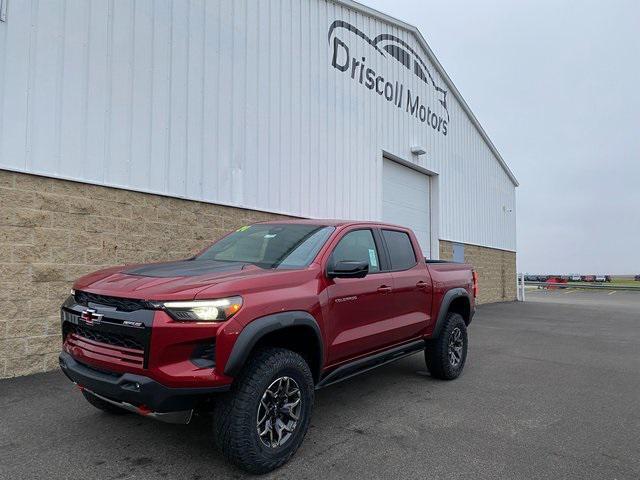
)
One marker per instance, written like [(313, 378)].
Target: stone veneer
[(496, 270), (53, 231)]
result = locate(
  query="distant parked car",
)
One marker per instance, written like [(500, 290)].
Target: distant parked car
[(601, 278), (530, 278), (588, 278), (637, 278), (575, 278), (543, 278), (607, 278), (555, 280)]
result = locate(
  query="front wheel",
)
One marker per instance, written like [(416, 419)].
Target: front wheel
[(446, 355), (261, 423)]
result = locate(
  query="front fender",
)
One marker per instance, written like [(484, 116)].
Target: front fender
[(258, 328)]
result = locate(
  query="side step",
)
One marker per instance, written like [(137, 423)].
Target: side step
[(365, 364)]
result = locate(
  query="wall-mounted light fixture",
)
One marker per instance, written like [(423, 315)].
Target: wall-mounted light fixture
[(417, 150)]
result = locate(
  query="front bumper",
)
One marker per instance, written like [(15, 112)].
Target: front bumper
[(136, 390), (143, 342)]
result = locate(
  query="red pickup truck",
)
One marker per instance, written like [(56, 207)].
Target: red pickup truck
[(252, 325)]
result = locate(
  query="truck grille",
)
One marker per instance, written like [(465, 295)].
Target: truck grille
[(121, 304), (112, 339), (103, 351), (109, 341)]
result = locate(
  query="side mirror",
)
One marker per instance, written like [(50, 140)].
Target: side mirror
[(348, 269)]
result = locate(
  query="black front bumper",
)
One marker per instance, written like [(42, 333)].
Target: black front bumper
[(135, 389)]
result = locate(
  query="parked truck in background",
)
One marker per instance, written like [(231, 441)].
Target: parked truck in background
[(251, 326)]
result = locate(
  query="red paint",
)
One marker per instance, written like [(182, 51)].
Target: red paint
[(144, 410), (475, 284), (356, 316)]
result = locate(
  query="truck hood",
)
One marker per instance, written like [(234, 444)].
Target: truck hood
[(180, 280)]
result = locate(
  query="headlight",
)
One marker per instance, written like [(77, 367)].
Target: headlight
[(204, 310)]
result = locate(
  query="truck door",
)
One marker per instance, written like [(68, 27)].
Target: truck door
[(359, 309), (412, 286)]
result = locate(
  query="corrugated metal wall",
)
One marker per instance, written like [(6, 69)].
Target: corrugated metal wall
[(231, 102)]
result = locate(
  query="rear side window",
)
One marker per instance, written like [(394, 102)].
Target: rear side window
[(359, 246), (401, 251)]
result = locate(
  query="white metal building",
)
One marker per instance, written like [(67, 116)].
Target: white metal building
[(302, 107)]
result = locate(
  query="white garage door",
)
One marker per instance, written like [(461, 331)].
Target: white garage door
[(405, 200)]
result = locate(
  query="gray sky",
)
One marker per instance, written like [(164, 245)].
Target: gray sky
[(556, 85)]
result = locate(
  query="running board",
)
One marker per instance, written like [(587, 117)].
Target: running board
[(369, 363)]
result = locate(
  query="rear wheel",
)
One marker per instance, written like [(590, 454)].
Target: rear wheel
[(102, 405), (446, 355), (261, 423)]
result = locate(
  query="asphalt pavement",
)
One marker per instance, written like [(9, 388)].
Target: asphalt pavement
[(551, 390)]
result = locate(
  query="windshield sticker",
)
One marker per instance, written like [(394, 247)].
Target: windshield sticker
[(373, 260), (242, 229)]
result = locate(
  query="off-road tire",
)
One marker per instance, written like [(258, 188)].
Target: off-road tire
[(436, 353), (234, 419), (102, 405)]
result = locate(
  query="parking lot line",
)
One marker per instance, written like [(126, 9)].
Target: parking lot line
[(611, 292)]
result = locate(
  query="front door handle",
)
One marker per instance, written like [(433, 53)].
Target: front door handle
[(422, 284), (384, 289)]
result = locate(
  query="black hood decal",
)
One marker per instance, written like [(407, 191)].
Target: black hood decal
[(185, 268)]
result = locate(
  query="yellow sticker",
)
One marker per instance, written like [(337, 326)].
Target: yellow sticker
[(242, 229)]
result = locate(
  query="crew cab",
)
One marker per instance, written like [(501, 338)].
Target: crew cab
[(253, 324)]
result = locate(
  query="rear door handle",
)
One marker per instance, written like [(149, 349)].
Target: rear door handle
[(384, 289), (422, 284)]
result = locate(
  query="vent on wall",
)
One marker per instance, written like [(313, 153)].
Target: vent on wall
[(3, 10)]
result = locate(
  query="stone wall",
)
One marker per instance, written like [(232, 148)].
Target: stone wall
[(496, 270), (53, 231)]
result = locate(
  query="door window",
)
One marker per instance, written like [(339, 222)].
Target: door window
[(359, 246), (400, 249)]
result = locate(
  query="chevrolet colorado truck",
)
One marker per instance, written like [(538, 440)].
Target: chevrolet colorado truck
[(250, 327)]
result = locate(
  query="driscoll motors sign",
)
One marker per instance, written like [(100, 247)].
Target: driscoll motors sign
[(392, 90)]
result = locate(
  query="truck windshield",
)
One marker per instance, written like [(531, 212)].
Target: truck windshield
[(270, 245)]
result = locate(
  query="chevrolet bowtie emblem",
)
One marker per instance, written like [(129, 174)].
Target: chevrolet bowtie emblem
[(90, 317)]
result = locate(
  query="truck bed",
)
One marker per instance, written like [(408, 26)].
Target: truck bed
[(450, 274)]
